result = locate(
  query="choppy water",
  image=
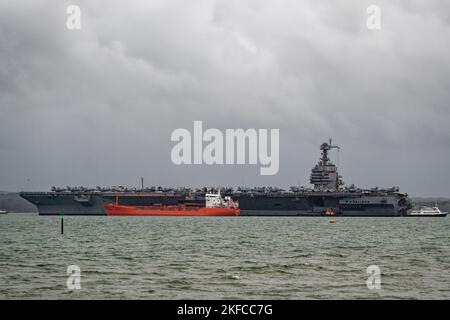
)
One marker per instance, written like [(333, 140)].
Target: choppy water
[(224, 258)]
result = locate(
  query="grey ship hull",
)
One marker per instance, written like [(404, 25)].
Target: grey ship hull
[(293, 204), (49, 203), (316, 203), (311, 213)]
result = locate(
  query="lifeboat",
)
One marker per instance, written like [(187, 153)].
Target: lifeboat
[(215, 205)]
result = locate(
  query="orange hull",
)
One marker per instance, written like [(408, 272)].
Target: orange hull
[(120, 210)]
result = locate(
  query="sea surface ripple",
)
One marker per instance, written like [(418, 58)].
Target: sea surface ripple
[(223, 258)]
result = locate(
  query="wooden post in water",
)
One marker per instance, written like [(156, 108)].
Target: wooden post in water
[(62, 221)]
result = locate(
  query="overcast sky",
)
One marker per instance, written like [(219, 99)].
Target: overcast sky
[(97, 106)]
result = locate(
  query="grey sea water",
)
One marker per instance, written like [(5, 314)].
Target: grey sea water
[(224, 258)]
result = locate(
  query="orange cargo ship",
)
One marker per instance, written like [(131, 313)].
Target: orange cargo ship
[(214, 206)]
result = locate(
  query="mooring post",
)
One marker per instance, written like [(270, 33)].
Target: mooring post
[(62, 221)]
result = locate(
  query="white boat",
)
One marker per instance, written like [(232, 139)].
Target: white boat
[(3, 212), (427, 212)]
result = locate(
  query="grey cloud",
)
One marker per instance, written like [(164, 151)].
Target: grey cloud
[(97, 106)]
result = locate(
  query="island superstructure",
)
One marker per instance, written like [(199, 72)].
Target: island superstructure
[(328, 192)]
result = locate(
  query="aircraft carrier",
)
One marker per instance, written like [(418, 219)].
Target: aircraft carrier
[(328, 193)]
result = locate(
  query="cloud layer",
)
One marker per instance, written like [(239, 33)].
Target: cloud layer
[(97, 106)]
